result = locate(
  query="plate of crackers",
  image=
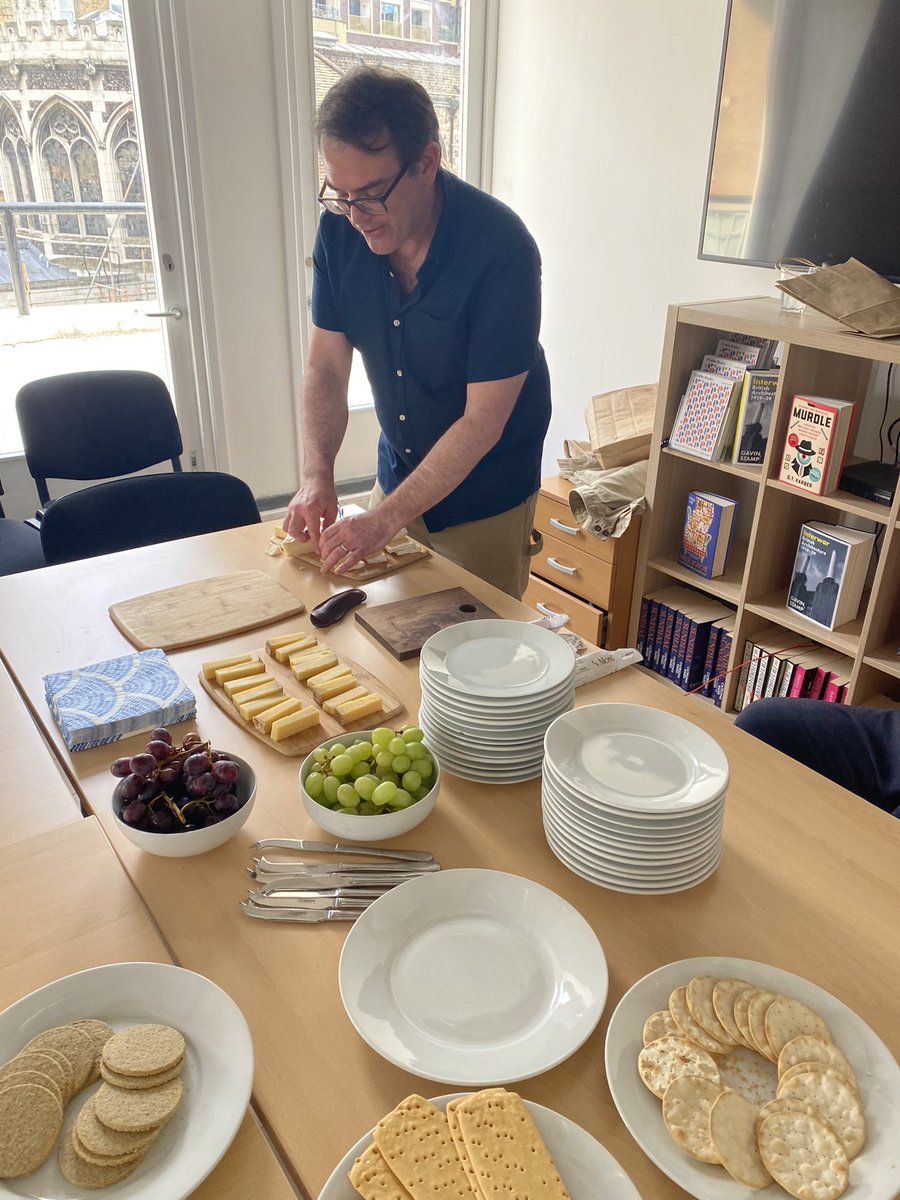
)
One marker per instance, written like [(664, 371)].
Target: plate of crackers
[(486, 1145), (734, 1076), (131, 1077)]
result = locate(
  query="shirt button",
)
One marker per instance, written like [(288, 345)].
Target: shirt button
[(403, 416), (399, 373), (396, 321), (407, 451)]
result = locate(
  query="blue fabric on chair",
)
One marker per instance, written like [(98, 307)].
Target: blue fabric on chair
[(143, 510), (96, 425), (20, 547)]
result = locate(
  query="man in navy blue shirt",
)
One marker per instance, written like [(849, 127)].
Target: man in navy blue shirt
[(437, 285)]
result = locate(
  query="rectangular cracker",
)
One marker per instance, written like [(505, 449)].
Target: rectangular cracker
[(372, 1178), (505, 1148), (418, 1149)]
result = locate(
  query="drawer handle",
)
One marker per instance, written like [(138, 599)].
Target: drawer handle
[(559, 566), (574, 532), (548, 612)]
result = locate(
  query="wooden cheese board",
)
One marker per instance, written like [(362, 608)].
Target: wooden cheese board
[(204, 611), (300, 744), (404, 626)]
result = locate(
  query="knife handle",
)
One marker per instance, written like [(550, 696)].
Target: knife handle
[(341, 848)]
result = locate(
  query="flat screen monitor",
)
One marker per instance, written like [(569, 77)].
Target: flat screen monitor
[(805, 157)]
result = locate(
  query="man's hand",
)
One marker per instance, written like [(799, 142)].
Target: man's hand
[(354, 538), (312, 510)]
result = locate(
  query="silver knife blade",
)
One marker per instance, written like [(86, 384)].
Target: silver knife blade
[(341, 848), (309, 916), (357, 868), (319, 883), (312, 899)]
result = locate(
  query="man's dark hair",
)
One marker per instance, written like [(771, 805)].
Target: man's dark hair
[(372, 108)]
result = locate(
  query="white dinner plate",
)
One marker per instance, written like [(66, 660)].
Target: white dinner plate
[(874, 1174), (473, 977), (636, 852), (585, 1166), (507, 744), (217, 1076), (668, 824), (618, 885), (641, 759), (524, 726), (497, 658), (494, 709), (610, 872)]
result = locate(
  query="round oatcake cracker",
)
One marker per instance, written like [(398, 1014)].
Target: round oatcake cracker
[(109, 1160), (139, 1082), (47, 1062), (99, 1033), (30, 1120), (732, 1130), (725, 992), (131, 1112), (804, 1155), (660, 1024), (24, 1075), (686, 1104), (787, 1019), (699, 997), (74, 1044), (694, 1032), (835, 1100), (98, 1139), (143, 1049), (83, 1174), (813, 1049), (668, 1057)]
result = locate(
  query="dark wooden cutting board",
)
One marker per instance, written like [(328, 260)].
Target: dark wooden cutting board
[(404, 626)]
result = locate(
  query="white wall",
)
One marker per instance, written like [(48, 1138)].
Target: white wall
[(602, 130)]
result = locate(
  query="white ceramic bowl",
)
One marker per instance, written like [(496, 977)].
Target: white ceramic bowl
[(377, 827), (194, 841)]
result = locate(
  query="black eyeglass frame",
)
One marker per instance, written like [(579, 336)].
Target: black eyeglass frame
[(342, 207)]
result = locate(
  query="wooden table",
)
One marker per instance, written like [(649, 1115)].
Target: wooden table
[(69, 906), (808, 882), (36, 794)]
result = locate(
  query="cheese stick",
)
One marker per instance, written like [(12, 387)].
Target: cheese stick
[(209, 668), (283, 653), (252, 708), (233, 686), (265, 720), (352, 710), (224, 674), (324, 691), (354, 694), (285, 727), (285, 639)]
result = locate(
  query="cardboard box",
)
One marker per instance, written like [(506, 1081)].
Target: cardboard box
[(620, 425)]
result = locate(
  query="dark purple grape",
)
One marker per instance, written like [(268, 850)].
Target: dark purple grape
[(221, 789), (212, 819), (143, 764), (225, 770), (161, 735), (151, 788), (121, 767), (160, 750), (201, 785), (192, 827), (197, 764), (129, 788), (134, 813), (191, 739), (226, 805), (162, 820), (169, 774)]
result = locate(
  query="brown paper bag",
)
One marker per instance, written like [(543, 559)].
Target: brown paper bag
[(851, 293), (620, 425)]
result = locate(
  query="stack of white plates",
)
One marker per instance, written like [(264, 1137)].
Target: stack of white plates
[(489, 691), (633, 798)]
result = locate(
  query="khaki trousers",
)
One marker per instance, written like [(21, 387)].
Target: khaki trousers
[(496, 549)]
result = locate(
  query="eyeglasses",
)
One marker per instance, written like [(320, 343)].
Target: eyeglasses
[(372, 206)]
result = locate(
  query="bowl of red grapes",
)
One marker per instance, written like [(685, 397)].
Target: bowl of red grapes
[(181, 799)]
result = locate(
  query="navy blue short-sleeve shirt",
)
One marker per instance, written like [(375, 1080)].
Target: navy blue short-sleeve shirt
[(473, 317)]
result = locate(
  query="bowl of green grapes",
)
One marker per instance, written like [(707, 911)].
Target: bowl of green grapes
[(370, 785)]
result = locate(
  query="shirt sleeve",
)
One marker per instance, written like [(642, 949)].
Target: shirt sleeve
[(324, 307), (505, 318)]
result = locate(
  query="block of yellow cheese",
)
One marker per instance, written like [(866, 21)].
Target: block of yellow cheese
[(265, 720), (327, 676), (252, 708), (303, 670), (266, 686), (286, 727), (354, 694), (353, 710), (233, 687), (283, 653), (286, 639), (334, 687), (209, 668), (239, 671)]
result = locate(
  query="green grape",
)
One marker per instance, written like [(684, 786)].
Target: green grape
[(337, 748), (416, 750), (347, 796), (330, 788), (385, 792), (397, 746), (412, 733), (365, 786), (401, 763), (341, 765), (382, 736), (401, 800), (425, 767), (359, 769), (384, 759), (386, 774), (421, 792), (366, 808), (314, 781), (411, 781), (320, 756)]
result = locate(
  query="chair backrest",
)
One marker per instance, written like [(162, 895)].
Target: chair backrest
[(96, 425), (142, 511)]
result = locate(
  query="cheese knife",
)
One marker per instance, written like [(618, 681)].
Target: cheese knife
[(308, 916), (357, 868), (341, 848), (329, 882), (337, 898)]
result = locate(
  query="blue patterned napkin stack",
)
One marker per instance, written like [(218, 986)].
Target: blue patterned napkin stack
[(109, 700)]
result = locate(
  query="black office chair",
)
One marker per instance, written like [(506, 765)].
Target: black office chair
[(142, 511), (96, 425), (20, 545)]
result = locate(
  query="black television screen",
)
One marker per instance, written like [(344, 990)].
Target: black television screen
[(805, 158)]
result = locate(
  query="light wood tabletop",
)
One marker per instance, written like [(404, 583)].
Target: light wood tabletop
[(37, 794), (808, 881), (68, 906)]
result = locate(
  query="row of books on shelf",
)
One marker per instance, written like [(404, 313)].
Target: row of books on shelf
[(780, 663), (726, 414), (687, 638)]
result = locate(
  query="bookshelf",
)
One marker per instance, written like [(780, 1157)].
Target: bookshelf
[(819, 357)]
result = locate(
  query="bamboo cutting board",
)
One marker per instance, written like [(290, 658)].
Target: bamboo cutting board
[(204, 611)]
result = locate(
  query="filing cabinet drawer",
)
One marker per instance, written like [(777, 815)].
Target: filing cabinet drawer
[(549, 600), (572, 568), (553, 518)]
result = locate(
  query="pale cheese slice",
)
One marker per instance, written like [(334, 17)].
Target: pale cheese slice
[(354, 694), (283, 653), (285, 639), (329, 675), (352, 710), (302, 671), (246, 683), (336, 687), (265, 720), (265, 686), (252, 708), (239, 671), (209, 668), (286, 727)]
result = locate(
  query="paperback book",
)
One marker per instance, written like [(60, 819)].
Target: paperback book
[(706, 415), (829, 572), (816, 441), (723, 366), (754, 416), (766, 347), (706, 533), (741, 352)]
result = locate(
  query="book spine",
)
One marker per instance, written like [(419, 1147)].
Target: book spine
[(776, 665), (674, 645), (821, 676), (832, 691), (762, 674), (784, 687), (653, 644), (695, 656), (709, 665), (723, 655), (641, 635), (650, 635), (752, 669), (746, 659), (801, 681), (665, 641)]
